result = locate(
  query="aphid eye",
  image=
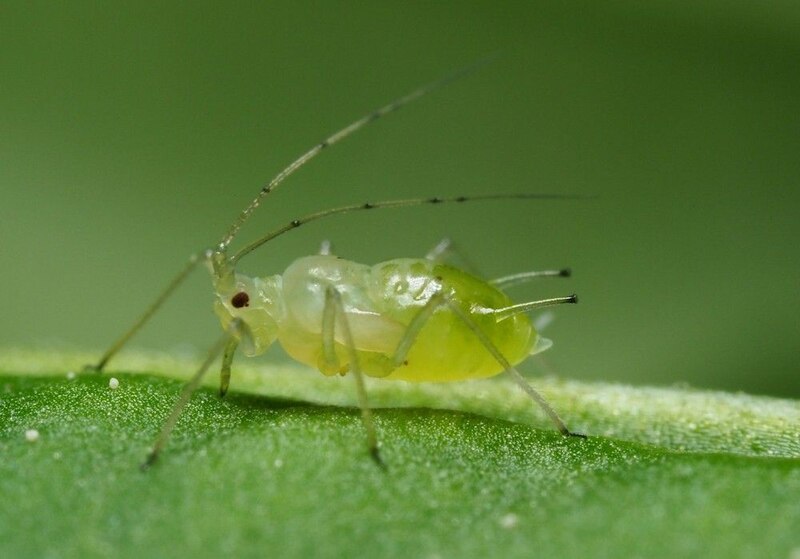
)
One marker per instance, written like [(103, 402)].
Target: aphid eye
[(240, 300)]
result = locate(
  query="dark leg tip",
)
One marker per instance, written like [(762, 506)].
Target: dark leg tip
[(149, 461), (376, 457), (94, 368), (567, 433), (565, 273)]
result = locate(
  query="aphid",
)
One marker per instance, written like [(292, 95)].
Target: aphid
[(414, 319)]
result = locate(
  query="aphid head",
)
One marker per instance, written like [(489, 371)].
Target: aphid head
[(257, 302)]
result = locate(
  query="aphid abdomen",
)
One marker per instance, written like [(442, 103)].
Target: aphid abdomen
[(381, 302), (445, 348)]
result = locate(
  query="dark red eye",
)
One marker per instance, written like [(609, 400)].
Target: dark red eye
[(240, 300)]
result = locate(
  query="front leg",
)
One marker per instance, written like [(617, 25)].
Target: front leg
[(225, 371), (176, 282), (440, 299), (328, 362), (188, 389)]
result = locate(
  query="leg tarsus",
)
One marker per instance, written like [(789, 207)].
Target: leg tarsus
[(96, 368), (149, 461), (375, 453), (575, 435)]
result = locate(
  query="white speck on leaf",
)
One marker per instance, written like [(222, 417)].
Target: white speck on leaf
[(509, 521)]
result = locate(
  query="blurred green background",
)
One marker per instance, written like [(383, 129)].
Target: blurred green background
[(133, 133)]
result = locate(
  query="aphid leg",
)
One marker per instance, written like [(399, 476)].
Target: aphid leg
[(225, 371), (445, 250), (187, 391), (325, 248), (151, 310), (414, 327), (439, 252), (329, 361), (333, 309), (518, 378), (515, 279), (440, 299)]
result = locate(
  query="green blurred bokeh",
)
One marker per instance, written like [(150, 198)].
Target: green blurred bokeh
[(133, 133)]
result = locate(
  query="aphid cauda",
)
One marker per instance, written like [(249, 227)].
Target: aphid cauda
[(414, 319)]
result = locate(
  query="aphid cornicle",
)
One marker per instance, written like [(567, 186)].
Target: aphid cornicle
[(412, 319)]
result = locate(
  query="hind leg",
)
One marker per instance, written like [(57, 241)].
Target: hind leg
[(514, 373), (439, 300)]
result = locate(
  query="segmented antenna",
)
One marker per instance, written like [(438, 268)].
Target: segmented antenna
[(295, 223), (342, 134)]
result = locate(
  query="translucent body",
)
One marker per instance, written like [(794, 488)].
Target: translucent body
[(410, 319), (380, 303)]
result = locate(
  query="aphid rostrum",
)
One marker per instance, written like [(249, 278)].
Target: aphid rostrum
[(412, 319)]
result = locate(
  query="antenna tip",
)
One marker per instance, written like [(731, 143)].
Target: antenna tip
[(573, 298), (565, 273)]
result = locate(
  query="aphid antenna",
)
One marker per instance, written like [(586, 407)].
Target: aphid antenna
[(217, 257), (222, 265), (342, 134), (295, 223)]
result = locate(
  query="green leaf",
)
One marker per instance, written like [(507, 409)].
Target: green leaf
[(279, 468)]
